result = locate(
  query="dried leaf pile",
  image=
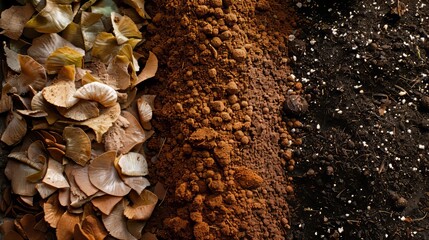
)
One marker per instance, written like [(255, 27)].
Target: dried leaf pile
[(76, 120)]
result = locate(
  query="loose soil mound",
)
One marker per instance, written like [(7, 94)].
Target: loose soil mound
[(221, 145)]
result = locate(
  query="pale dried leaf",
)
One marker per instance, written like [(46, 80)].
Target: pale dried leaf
[(65, 226), (45, 190), (54, 175), (17, 173), (53, 18), (14, 131), (13, 20), (73, 34), (61, 92), (138, 184), (99, 92), (32, 75), (106, 203), (62, 57), (138, 5), (149, 69), (124, 28), (82, 180), (115, 222), (103, 175), (81, 111), (11, 58), (53, 211), (46, 44), (105, 47), (143, 206), (133, 164), (38, 103), (102, 123), (78, 145), (91, 25)]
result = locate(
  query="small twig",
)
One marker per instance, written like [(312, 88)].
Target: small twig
[(353, 221), (402, 89), (398, 7), (382, 211), (338, 195), (163, 198), (420, 219), (162, 145)]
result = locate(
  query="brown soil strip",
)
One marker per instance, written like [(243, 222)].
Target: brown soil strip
[(222, 142)]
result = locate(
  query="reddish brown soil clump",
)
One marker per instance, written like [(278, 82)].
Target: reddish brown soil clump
[(221, 144)]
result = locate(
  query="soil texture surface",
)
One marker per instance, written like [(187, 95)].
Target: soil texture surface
[(362, 171), (221, 144)]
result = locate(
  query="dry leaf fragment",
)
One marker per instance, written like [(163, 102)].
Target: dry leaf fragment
[(82, 180), (54, 175), (52, 18), (28, 223), (105, 47), (127, 50), (11, 58), (73, 34), (65, 226), (118, 76), (38, 103), (79, 234), (124, 139), (27, 200), (143, 206), (61, 92), (92, 226), (15, 130), (138, 5), (32, 113), (17, 173), (115, 222), (32, 75), (135, 227), (46, 44), (145, 106), (102, 123), (22, 157), (138, 184), (6, 100), (124, 28), (78, 145), (13, 20), (64, 196), (106, 203), (45, 190), (149, 69), (81, 111), (103, 175), (56, 153), (61, 57), (99, 92), (77, 196), (6, 226), (91, 25)]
